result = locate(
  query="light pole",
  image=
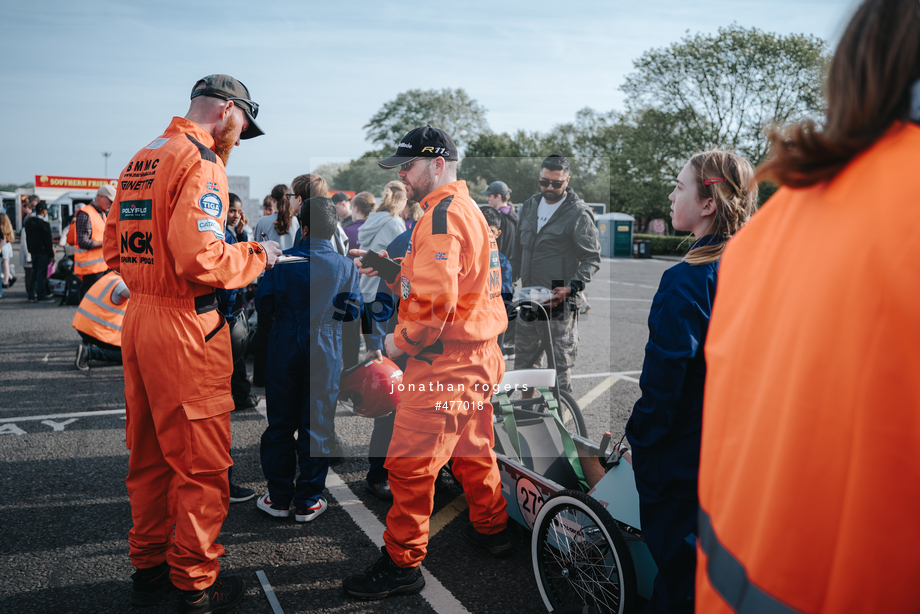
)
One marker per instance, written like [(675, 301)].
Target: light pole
[(106, 154)]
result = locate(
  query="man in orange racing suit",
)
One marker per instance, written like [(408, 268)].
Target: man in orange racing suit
[(450, 314), (164, 235)]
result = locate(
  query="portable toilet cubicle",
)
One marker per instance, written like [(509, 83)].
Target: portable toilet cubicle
[(615, 231)]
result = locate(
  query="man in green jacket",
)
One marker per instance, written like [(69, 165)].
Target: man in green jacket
[(557, 248)]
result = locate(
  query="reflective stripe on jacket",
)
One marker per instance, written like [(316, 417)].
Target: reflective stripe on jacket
[(97, 315), (89, 261)]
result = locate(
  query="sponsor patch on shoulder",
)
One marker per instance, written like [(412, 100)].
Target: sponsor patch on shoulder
[(157, 143), (211, 204), (493, 260), (440, 256), (404, 286), (205, 225)]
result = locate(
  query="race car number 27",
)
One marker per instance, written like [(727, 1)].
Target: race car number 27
[(529, 500)]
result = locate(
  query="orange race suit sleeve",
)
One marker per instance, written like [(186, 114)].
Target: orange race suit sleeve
[(196, 233)]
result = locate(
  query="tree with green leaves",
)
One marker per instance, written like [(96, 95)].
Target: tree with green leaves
[(516, 160), (730, 85), (363, 174), (452, 111)]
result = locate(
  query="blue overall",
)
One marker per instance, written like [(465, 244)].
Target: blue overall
[(309, 301), (665, 427), (383, 427)]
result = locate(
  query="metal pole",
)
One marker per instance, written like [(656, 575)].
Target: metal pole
[(106, 154)]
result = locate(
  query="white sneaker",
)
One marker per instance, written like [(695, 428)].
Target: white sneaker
[(265, 504), (312, 513)]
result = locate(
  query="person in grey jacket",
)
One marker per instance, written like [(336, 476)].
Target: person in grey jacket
[(381, 227), (557, 248)]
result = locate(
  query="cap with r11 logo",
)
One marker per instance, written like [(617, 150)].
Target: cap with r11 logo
[(423, 142)]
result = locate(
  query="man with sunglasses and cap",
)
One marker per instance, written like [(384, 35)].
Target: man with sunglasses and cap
[(164, 234), (450, 313), (557, 248)]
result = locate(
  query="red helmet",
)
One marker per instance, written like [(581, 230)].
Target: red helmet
[(372, 386)]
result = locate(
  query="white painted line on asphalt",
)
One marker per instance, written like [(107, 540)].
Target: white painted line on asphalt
[(362, 516), (624, 283), (620, 374), (269, 592), (85, 414), (434, 592), (58, 426), (597, 391)]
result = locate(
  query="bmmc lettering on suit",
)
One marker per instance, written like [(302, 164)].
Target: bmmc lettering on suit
[(142, 165)]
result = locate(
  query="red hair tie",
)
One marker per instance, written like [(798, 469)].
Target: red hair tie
[(713, 180)]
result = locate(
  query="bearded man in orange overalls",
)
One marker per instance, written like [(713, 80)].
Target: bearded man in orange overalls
[(165, 235)]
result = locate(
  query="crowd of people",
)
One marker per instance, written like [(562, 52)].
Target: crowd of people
[(778, 389)]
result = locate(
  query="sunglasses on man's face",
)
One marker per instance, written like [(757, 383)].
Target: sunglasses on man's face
[(407, 166), (253, 106), (556, 184)]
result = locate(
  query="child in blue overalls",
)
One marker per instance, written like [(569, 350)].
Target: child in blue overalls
[(714, 196), (309, 300)]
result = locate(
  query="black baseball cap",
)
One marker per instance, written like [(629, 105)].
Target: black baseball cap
[(424, 142), (340, 197), (226, 87), (497, 187)]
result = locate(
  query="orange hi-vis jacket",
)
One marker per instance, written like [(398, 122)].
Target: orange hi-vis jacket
[(450, 284), (88, 261), (810, 468), (165, 228), (97, 315), (72, 231)]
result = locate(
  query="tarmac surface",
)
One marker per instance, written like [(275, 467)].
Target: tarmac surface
[(64, 509)]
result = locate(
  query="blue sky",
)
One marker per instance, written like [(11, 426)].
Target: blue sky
[(80, 78)]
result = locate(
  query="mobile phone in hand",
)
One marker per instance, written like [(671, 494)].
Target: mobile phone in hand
[(386, 268)]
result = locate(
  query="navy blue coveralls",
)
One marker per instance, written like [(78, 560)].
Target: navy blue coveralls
[(665, 427), (309, 301)]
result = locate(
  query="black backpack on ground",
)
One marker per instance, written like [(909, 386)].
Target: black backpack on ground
[(72, 290)]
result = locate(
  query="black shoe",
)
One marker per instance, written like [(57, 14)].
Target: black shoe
[(383, 579), (381, 490), (82, 360), (150, 585), (31, 300), (238, 494), (225, 593), (248, 402), (498, 545), (45, 299), (12, 281)]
